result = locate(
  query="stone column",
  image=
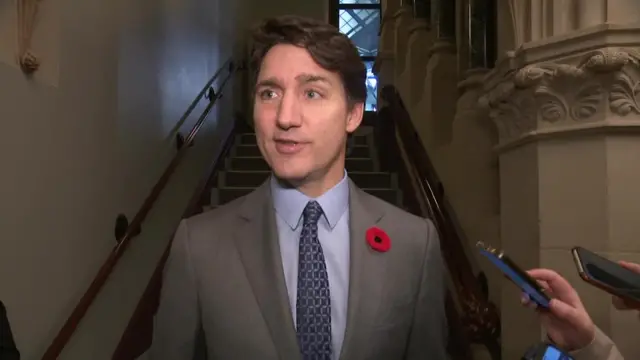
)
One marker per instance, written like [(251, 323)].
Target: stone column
[(411, 81), (384, 66), (470, 154), (435, 110), (403, 19), (591, 13), (568, 121), (534, 20), (387, 26), (622, 11)]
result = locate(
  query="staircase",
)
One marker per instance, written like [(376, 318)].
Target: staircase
[(245, 169), (240, 169)]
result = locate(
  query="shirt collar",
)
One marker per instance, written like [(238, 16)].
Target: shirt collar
[(289, 203)]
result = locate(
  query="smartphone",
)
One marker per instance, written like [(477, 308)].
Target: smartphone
[(553, 353), (545, 351), (514, 273), (607, 275)]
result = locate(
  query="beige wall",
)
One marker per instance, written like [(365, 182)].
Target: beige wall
[(89, 135)]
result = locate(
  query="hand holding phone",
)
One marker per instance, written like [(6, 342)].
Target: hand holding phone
[(622, 304), (609, 276), (514, 273), (567, 322)]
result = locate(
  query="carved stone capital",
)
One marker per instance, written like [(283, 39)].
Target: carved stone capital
[(598, 91)]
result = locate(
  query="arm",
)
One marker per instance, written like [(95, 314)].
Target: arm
[(177, 321), (601, 348), (428, 339), (8, 348)]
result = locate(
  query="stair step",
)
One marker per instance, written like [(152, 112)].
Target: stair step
[(358, 151), (250, 139), (251, 150), (371, 180), (222, 196), (255, 163)]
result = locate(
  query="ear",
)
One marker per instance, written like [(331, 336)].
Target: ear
[(354, 117)]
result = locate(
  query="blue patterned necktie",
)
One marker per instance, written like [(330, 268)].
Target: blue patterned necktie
[(313, 304)]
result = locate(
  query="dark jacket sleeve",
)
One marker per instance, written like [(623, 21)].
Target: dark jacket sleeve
[(8, 350)]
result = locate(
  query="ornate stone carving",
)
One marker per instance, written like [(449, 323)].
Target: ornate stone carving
[(542, 95), (27, 11), (625, 95)]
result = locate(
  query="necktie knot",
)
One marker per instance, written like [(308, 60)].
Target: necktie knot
[(312, 213)]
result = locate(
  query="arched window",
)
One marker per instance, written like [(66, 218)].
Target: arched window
[(360, 21)]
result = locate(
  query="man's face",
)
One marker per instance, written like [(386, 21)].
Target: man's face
[(302, 116)]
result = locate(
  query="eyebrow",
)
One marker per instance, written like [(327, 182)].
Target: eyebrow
[(308, 78), (270, 82), (302, 78)]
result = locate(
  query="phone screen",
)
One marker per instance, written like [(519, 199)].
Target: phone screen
[(523, 283), (553, 353)]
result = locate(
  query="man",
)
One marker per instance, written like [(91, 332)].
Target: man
[(8, 350), (287, 272), (567, 322)]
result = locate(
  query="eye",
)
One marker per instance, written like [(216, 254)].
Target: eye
[(311, 94), (267, 94)]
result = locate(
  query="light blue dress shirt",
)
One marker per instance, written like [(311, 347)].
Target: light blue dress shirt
[(333, 234)]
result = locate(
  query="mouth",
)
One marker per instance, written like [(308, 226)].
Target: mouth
[(288, 147)]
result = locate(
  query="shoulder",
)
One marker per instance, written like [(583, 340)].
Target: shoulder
[(408, 229), (214, 218), (216, 226), (404, 218)]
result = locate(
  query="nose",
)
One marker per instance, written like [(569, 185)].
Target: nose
[(289, 112)]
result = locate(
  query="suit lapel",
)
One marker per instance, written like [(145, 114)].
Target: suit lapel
[(366, 274), (257, 241)]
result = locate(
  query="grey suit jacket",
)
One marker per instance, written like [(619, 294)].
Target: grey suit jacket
[(224, 279)]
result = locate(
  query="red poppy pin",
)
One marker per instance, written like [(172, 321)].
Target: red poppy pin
[(378, 239)]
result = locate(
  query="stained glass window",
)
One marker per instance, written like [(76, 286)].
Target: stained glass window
[(360, 21), (371, 104), (362, 27)]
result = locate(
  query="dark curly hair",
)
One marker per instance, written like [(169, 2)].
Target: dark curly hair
[(328, 47)]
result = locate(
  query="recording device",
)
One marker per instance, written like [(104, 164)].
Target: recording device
[(607, 275), (545, 351), (514, 273)]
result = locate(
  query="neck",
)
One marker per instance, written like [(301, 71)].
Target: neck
[(315, 186)]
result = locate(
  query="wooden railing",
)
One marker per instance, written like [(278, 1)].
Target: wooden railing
[(134, 228), (138, 335), (475, 319)]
